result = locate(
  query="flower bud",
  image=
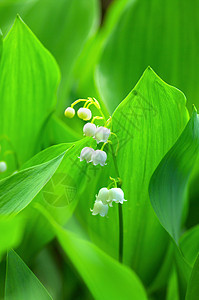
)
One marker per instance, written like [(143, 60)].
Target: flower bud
[(116, 195), (102, 134), (84, 113), (89, 129), (100, 208), (103, 195), (3, 166), (69, 112), (86, 154), (99, 157)]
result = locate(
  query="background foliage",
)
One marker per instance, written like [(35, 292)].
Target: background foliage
[(51, 53)]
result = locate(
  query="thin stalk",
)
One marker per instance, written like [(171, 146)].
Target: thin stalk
[(120, 232), (121, 238)]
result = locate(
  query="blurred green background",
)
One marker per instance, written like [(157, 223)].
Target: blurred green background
[(102, 48)]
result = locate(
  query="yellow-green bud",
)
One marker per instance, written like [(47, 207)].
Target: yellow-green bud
[(84, 113), (69, 112)]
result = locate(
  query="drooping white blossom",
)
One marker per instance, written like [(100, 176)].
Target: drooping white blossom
[(103, 195), (116, 195), (3, 166), (99, 158), (102, 134), (69, 112), (84, 113), (99, 208), (89, 129), (86, 154)]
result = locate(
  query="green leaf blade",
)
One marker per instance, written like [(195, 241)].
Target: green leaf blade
[(168, 186), (193, 285), (28, 94), (21, 283), (105, 277), (18, 190)]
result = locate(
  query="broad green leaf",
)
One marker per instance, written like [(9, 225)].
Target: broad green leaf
[(21, 283), (147, 123), (104, 276), (57, 34), (10, 233), (172, 288), (193, 285), (18, 190), (28, 94), (151, 33), (168, 186), (59, 196), (183, 269), (189, 244), (47, 154)]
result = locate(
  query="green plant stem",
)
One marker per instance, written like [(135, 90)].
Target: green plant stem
[(119, 210), (120, 232)]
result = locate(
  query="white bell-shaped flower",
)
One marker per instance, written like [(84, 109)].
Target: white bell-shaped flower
[(3, 166), (103, 195), (100, 208), (99, 157), (69, 112), (84, 113), (86, 154), (89, 129), (116, 195), (102, 134)]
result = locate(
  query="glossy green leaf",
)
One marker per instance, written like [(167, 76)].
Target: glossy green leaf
[(21, 283), (193, 285), (154, 33), (104, 276), (18, 190), (172, 288), (28, 94), (59, 196), (168, 186), (189, 244), (147, 123), (10, 233), (183, 269)]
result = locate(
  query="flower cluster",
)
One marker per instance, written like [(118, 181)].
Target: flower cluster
[(101, 134), (104, 200), (97, 157)]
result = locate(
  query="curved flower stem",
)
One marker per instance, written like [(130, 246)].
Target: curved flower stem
[(97, 105), (119, 184), (78, 101)]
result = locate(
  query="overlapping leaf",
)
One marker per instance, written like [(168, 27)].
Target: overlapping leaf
[(59, 196), (21, 283), (28, 94), (18, 190), (168, 186), (193, 285), (104, 276)]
